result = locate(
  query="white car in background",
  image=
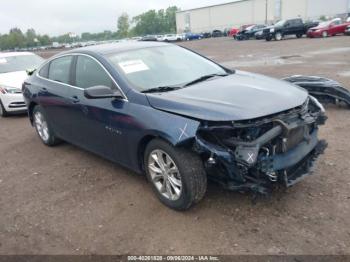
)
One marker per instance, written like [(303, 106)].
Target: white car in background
[(159, 37), (180, 37), (13, 72), (169, 38)]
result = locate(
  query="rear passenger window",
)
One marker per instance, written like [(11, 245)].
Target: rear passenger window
[(89, 73), (44, 71), (297, 22), (60, 69)]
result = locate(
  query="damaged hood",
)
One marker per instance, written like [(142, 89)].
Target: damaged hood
[(239, 96), (13, 79)]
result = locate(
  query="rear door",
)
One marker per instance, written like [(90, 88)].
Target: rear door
[(340, 28), (54, 95), (336, 27), (296, 26)]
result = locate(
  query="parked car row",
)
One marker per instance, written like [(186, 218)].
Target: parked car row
[(249, 32), (291, 27), (189, 36), (277, 31)]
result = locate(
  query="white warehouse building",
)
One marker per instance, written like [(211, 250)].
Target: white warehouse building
[(240, 12)]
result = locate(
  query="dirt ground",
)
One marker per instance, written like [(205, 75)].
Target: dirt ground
[(64, 200)]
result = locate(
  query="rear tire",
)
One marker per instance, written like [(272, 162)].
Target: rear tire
[(299, 35), (3, 112), (43, 127), (167, 166)]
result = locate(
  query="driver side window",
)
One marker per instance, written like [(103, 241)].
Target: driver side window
[(89, 73)]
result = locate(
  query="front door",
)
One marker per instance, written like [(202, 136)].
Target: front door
[(98, 124)]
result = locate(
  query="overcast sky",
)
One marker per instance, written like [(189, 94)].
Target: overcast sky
[(59, 17)]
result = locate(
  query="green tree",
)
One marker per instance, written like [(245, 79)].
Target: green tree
[(123, 25), (155, 22), (30, 37), (170, 18), (147, 23), (323, 18), (16, 38), (86, 36), (44, 40)]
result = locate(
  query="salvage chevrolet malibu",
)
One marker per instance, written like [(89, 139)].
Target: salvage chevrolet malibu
[(178, 117)]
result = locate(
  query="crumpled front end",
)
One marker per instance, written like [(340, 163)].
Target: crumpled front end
[(254, 155)]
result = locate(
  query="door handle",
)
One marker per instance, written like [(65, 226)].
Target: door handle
[(75, 99), (44, 89)]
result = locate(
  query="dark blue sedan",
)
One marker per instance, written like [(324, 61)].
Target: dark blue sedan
[(192, 36), (178, 117)]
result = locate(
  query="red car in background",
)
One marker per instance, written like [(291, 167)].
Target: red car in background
[(233, 32), (329, 28)]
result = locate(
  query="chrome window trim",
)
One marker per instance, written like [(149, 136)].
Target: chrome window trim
[(76, 87)]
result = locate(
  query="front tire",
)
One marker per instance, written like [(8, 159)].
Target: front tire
[(177, 175), (3, 112), (278, 36), (299, 35), (43, 128)]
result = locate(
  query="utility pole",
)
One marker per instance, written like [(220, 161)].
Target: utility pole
[(266, 10)]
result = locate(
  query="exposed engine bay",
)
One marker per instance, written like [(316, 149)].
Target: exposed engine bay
[(254, 155)]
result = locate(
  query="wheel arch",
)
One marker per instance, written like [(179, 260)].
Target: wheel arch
[(30, 111), (145, 140)]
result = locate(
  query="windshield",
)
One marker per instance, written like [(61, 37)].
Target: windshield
[(19, 63), (280, 23), (250, 27), (162, 66), (325, 24)]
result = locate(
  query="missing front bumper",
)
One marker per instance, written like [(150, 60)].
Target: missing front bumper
[(281, 169), (304, 168)]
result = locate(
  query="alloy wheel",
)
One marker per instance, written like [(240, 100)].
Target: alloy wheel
[(278, 36), (165, 174), (41, 126), (325, 34)]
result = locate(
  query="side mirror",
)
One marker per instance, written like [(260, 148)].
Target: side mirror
[(30, 71), (96, 92)]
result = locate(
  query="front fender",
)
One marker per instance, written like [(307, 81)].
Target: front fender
[(149, 123), (175, 129)]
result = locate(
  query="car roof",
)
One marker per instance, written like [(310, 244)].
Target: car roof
[(105, 49), (9, 54)]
